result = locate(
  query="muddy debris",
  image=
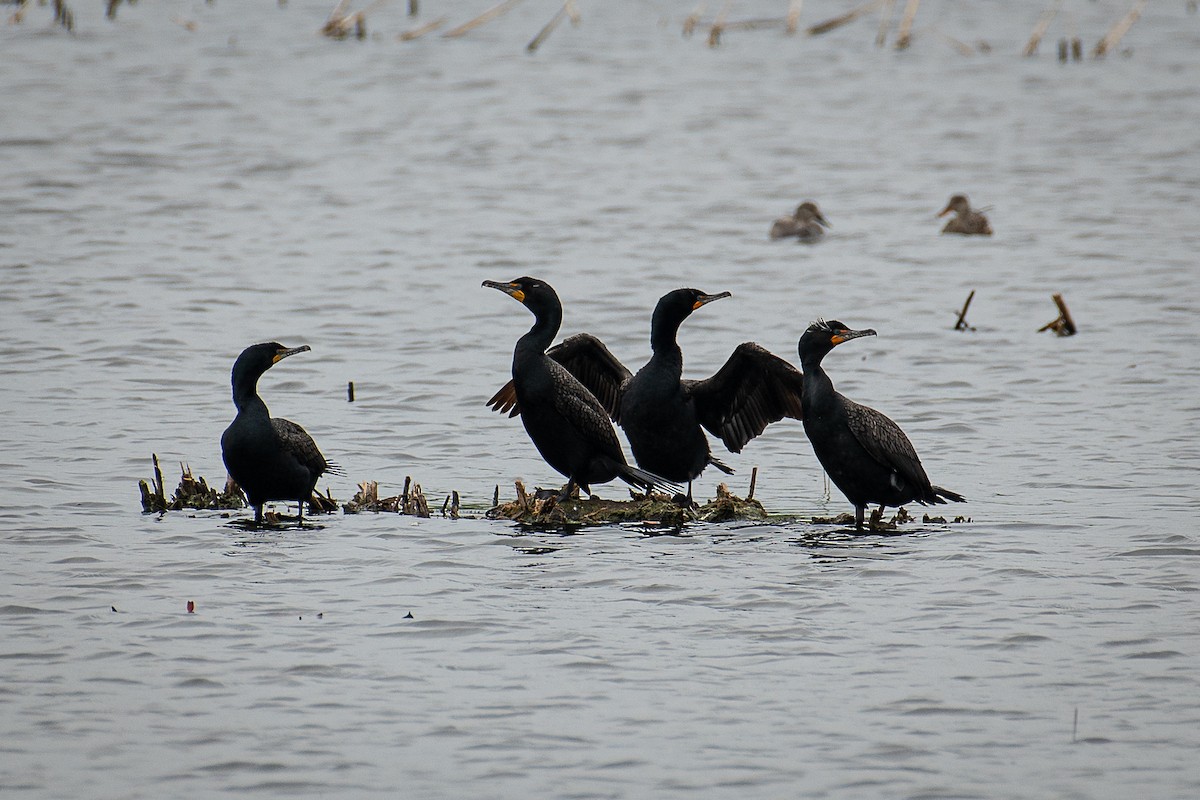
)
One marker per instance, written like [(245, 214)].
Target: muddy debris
[(543, 507), (192, 492), (411, 501)]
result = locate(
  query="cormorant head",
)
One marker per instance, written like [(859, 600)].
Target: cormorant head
[(674, 307), (823, 336), (534, 294), (808, 211), (958, 204), (258, 358)]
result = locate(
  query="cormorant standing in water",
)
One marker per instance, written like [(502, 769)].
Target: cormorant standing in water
[(866, 455), (270, 458), (567, 424), (662, 414)]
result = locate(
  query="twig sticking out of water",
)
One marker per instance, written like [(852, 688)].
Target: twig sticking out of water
[(793, 17), (714, 33), (1064, 325), (753, 480), (568, 10), (691, 20), (1113, 37), (961, 324), (849, 16), (1039, 30), (486, 16), (417, 33), (885, 20), (340, 24), (904, 33)]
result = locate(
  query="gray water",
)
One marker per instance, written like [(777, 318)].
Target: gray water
[(169, 196)]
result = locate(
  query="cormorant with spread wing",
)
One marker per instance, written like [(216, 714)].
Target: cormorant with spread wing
[(567, 424), (662, 414)]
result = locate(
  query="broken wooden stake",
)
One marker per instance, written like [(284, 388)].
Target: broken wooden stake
[(568, 10), (486, 16), (849, 16), (1113, 37), (753, 480), (350, 392), (714, 33), (793, 16), (961, 324), (904, 33), (1039, 30), (418, 32), (1064, 325)]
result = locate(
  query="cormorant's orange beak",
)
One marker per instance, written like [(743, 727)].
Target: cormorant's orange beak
[(845, 336), (511, 289), (705, 299), (290, 351)]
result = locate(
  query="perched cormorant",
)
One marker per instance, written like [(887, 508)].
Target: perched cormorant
[(965, 220), (567, 424), (270, 458), (805, 224), (662, 414), (865, 454)]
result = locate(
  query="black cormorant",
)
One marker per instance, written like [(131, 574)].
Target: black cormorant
[(865, 454), (567, 424), (661, 414), (805, 224), (270, 458)]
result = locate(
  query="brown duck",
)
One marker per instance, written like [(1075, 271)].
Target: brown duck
[(965, 220), (805, 224)]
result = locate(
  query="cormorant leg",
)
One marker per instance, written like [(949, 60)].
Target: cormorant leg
[(258, 514), (858, 517), (568, 490), (300, 512), (690, 503)]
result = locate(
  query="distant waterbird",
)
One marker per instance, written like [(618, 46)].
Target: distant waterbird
[(966, 220), (806, 224)]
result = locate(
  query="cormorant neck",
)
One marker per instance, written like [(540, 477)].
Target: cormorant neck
[(547, 321), (664, 332), (245, 395)]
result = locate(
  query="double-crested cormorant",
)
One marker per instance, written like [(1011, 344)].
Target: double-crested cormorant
[(567, 424), (805, 224), (965, 220), (662, 414), (270, 458), (865, 454)]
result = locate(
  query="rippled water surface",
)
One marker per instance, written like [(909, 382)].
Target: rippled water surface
[(192, 178)]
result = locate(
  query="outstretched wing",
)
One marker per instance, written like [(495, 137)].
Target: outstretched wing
[(297, 442), (592, 364), (886, 443), (752, 390)]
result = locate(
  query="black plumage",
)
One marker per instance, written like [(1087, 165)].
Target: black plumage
[(661, 413), (865, 454), (567, 424), (270, 458)]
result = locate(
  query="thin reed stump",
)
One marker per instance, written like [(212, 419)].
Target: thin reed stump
[(689, 22), (1064, 325), (568, 10), (714, 33), (485, 17), (1039, 30), (961, 324), (904, 34), (753, 481), (1113, 37), (793, 16), (849, 16), (418, 32), (885, 21)]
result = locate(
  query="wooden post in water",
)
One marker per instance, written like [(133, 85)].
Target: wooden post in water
[(1113, 37), (904, 34), (793, 16), (1064, 325), (961, 324), (1040, 29), (486, 16)]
